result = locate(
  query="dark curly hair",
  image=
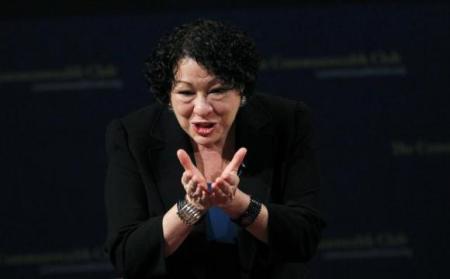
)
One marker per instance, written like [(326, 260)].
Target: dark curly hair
[(222, 49)]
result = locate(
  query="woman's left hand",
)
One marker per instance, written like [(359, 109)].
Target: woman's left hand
[(224, 187)]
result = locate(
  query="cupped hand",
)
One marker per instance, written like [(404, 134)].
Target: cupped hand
[(194, 182), (224, 187)]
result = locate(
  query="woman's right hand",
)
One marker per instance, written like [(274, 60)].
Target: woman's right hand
[(194, 182)]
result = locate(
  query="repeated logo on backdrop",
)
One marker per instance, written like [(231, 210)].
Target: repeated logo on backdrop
[(373, 78)]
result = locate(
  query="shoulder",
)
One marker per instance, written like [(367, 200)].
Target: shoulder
[(140, 121), (290, 120), (135, 128), (143, 118)]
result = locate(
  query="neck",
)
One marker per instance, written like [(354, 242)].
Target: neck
[(211, 160), (224, 148)]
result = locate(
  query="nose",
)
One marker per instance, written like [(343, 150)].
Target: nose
[(202, 106)]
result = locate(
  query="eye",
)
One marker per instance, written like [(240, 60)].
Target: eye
[(219, 90), (185, 92), (184, 95)]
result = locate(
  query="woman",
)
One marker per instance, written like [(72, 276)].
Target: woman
[(211, 182)]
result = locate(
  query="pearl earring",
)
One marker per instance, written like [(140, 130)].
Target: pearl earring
[(243, 101)]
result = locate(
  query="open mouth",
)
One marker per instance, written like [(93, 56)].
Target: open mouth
[(203, 128)]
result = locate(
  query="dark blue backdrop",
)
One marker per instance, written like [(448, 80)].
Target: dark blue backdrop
[(376, 78)]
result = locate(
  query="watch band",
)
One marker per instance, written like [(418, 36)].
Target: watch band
[(249, 215), (188, 213)]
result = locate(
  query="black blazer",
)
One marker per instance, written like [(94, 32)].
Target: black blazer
[(143, 182)]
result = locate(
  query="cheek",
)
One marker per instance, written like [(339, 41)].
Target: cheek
[(180, 108), (229, 114), (183, 114)]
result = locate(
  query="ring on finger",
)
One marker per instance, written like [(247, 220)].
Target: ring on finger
[(189, 187)]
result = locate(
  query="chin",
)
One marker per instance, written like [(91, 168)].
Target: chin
[(205, 140)]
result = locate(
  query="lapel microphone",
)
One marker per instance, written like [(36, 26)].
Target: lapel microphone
[(241, 169)]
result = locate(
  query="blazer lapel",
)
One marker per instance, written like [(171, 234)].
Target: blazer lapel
[(165, 167), (255, 132)]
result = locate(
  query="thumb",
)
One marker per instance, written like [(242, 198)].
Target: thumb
[(237, 160), (185, 160)]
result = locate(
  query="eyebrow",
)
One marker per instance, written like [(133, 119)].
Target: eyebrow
[(213, 81), (181, 81)]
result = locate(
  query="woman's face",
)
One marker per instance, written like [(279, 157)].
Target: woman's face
[(204, 106)]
